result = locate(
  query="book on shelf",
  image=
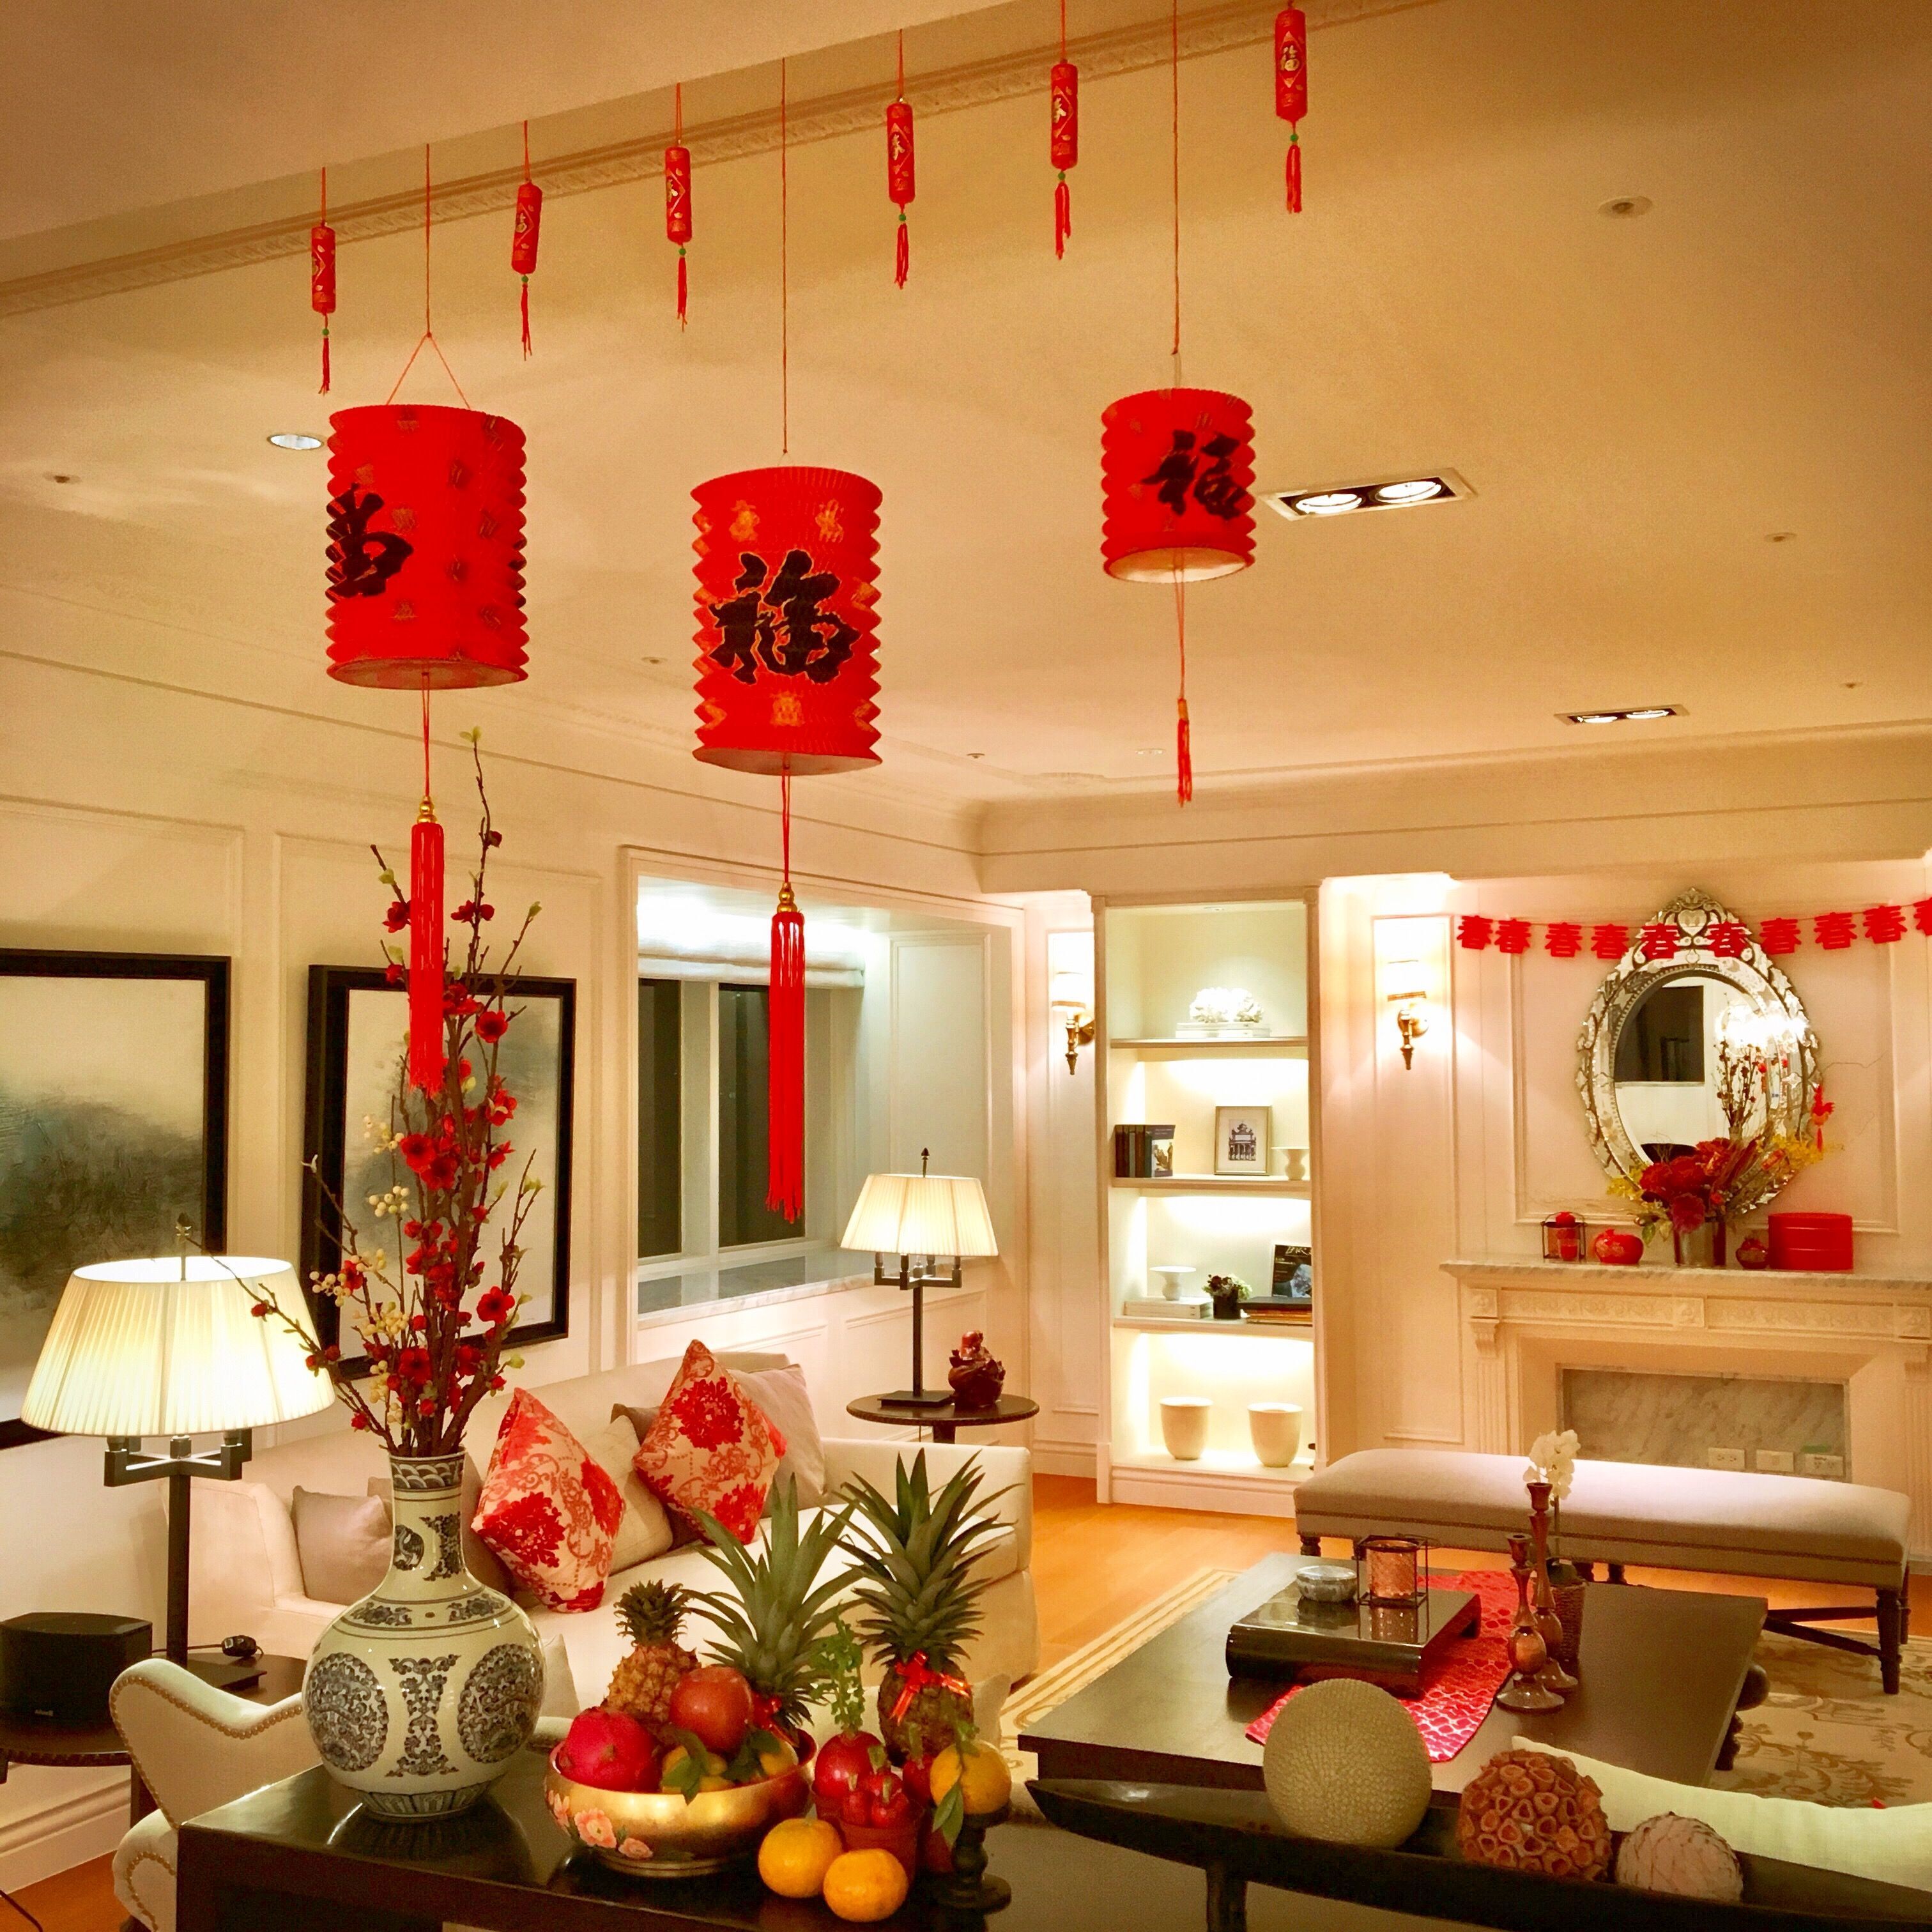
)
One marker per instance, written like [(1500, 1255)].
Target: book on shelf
[(1191, 1309)]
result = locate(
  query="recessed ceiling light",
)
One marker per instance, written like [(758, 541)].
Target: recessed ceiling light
[(1399, 492), (291, 439), (61, 476), (1149, 751), (1624, 207), (1635, 715)]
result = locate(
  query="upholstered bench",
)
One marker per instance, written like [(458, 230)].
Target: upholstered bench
[(1621, 1512)]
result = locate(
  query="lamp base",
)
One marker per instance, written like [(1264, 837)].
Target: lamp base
[(918, 1398)]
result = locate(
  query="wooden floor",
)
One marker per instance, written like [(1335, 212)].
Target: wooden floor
[(1091, 1567)]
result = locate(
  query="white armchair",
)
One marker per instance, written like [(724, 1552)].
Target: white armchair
[(194, 1747)]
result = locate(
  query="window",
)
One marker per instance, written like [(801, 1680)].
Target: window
[(660, 1116), (744, 1078)]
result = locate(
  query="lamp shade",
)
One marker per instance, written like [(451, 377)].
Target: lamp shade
[(168, 1347), (921, 1214)]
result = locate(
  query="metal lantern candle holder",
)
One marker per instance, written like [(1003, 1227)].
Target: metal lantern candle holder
[(1392, 1572), (1563, 1234)]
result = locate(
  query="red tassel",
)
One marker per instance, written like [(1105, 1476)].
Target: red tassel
[(1294, 174), (785, 1122), (905, 252), (683, 288), (1183, 758), (324, 389), (426, 1054), (526, 317), (1063, 216)]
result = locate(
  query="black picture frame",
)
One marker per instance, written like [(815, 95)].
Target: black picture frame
[(326, 1129), (210, 1223)]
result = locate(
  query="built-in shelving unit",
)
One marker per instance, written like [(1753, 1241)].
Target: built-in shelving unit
[(1152, 960)]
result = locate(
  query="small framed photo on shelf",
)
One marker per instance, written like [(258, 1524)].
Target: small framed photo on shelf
[(1294, 1272), (1241, 1140)]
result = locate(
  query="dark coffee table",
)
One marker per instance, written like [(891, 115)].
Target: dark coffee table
[(299, 1857), (945, 1419), (1662, 1671)]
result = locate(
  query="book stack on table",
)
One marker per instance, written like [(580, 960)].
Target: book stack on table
[(1288, 1311)]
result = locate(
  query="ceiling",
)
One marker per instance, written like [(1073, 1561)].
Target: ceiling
[(1641, 405)]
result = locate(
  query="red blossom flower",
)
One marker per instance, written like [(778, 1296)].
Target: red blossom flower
[(500, 1153), (496, 1307), (412, 1365), (440, 1173), (396, 974), (397, 916), (357, 1419), (491, 1026), (416, 1151), (260, 1309)]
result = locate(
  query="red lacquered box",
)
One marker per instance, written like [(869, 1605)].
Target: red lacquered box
[(1821, 1242)]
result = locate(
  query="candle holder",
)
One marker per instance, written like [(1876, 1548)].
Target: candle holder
[(1392, 1572), (1529, 1653), (1549, 1625), (967, 1892)]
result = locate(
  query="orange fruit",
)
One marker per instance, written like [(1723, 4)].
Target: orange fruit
[(795, 1856), (862, 1887), (988, 1784)]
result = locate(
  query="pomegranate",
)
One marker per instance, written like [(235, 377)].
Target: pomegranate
[(935, 1855), (713, 1703), (842, 1762), (610, 1750)]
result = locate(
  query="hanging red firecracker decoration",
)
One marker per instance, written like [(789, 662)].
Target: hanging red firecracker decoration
[(787, 686), (322, 276), (1291, 90), (523, 239), (899, 184), (677, 198), (1063, 135)]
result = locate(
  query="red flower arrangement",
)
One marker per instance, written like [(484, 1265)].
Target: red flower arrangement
[(432, 1332), (1690, 1188)]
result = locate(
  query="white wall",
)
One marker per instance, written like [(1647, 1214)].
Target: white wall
[(162, 792), (1464, 1155)]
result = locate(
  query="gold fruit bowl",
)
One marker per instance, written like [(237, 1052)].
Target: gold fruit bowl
[(659, 1835)]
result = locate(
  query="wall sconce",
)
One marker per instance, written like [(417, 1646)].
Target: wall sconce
[(1069, 979), (1411, 1006)]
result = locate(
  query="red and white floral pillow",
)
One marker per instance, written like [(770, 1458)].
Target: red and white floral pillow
[(546, 1509), (711, 1447)]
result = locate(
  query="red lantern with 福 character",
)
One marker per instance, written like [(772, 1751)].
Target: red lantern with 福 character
[(1177, 476), (787, 685), (425, 593)]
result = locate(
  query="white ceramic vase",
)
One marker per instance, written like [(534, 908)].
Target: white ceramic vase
[(1171, 1280), (1183, 1426), (420, 1696), (1275, 1429)]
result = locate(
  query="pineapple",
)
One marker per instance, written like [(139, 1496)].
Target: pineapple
[(780, 1605), (914, 1553), (641, 1685)]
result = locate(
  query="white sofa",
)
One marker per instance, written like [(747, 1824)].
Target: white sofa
[(246, 1575)]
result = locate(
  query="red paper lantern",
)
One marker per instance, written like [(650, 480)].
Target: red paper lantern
[(425, 548), (1291, 90), (1177, 468), (788, 667), (1064, 141)]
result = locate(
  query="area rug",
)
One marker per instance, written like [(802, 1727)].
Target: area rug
[(1825, 1733)]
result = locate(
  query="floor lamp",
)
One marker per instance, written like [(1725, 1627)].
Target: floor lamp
[(168, 1347), (923, 1219)]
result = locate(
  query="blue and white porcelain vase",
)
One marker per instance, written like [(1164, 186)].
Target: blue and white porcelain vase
[(420, 1696)]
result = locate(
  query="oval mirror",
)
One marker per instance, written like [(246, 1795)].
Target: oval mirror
[(1704, 1039)]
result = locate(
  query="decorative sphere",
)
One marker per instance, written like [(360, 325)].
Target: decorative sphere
[(1526, 1811), (1682, 1855), (1344, 1761)]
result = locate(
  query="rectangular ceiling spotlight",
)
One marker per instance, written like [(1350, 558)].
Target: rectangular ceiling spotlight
[(1635, 714), (1409, 490)]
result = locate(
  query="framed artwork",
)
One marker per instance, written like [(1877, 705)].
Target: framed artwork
[(357, 1023), (1241, 1140), (1294, 1272), (113, 1125)]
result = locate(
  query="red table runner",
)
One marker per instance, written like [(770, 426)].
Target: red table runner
[(1458, 1687)]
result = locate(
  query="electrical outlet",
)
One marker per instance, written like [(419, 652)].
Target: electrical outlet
[(1724, 1458), (1815, 1462), (1776, 1462)]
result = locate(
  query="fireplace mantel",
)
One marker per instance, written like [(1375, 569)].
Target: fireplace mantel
[(1524, 1320)]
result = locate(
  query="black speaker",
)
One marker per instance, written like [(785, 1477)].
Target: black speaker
[(60, 1663)]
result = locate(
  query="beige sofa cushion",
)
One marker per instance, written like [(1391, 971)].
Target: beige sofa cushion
[(1622, 1512), (343, 1542)]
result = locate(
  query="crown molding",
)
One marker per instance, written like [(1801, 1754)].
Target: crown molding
[(1211, 30)]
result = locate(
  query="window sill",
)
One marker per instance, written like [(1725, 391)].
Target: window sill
[(755, 1284)]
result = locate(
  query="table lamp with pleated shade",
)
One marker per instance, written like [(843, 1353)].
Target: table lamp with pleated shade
[(168, 1347), (920, 1218)]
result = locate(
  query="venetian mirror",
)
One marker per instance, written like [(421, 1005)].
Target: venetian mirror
[(1710, 1042)]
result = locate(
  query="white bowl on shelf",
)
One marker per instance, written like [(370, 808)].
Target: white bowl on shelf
[(1172, 1279), (1184, 1425), (1275, 1429)]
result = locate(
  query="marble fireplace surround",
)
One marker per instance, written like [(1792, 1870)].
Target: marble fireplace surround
[(1523, 1321)]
